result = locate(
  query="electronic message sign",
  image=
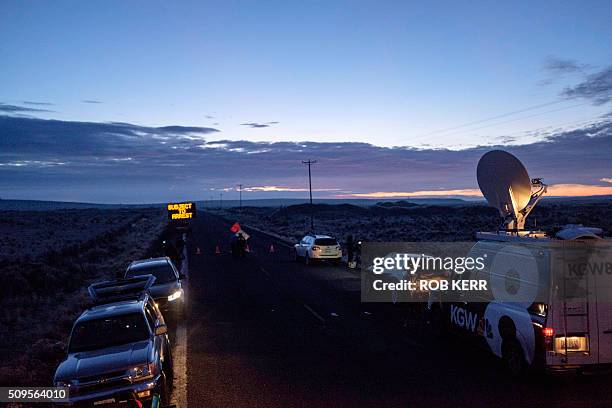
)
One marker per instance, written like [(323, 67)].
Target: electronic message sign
[(181, 211)]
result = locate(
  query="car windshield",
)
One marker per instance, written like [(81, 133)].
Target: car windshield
[(163, 272), (326, 242), (107, 332)]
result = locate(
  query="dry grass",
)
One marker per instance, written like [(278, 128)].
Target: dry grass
[(47, 259), (415, 222)]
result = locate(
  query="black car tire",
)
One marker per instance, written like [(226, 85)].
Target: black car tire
[(170, 368), (164, 391), (307, 260), (296, 258)]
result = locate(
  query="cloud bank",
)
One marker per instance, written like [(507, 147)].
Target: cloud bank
[(121, 162)]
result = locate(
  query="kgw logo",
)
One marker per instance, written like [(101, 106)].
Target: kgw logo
[(463, 318)]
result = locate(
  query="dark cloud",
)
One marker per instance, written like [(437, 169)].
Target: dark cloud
[(37, 103), (10, 109), (90, 101), (596, 88), (186, 129), (563, 66), (120, 162), (259, 125)]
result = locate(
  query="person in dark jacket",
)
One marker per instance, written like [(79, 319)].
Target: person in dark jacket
[(241, 244), (171, 252)]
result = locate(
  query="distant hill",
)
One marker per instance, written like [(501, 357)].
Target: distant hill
[(41, 205), (38, 205), (285, 202)]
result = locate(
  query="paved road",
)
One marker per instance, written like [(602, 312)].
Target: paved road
[(266, 331)]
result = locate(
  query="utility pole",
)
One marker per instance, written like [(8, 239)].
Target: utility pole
[(240, 192), (309, 163), (220, 200)]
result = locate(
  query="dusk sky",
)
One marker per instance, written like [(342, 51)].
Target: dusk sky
[(161, 101)]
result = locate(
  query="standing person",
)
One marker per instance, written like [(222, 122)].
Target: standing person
[(349, 249), (171, 252), (241, 243)]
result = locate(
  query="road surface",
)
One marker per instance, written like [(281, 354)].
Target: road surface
[(269, 332)]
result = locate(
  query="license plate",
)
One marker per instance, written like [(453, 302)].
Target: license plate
[(105, 401)]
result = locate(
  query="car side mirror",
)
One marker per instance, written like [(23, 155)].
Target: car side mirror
[(182, 276), (161, 329)]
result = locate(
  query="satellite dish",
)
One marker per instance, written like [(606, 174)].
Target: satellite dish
[(504, 182)]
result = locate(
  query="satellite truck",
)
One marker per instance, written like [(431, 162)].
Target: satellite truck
[(549, 302)]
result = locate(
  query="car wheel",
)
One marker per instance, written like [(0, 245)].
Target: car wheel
[(170, 369), (512, 355), (164, 391), (307, 260), (296, 258)]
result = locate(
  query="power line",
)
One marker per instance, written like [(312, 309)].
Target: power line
[(503, 115), (517, 119)]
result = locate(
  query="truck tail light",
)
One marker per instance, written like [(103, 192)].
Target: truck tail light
[(549, 335)]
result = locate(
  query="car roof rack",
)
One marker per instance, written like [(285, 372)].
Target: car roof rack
[(121, 289)]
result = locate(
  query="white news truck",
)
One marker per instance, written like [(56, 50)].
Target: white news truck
[(550, 300)]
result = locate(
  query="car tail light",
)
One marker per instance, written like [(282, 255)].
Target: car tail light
[(315, 248)]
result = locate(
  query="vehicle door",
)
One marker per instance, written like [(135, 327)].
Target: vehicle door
[(154, 318), (602, 285), (582, 323)]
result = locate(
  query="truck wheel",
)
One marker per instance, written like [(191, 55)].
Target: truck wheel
[(512, 355)]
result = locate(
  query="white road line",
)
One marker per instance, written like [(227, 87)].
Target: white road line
[(315, 314), (179, 353), (179, 394)]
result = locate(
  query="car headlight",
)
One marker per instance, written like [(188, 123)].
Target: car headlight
[(174, 296), (141, 372)]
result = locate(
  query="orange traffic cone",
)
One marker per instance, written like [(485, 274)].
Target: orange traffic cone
[(198, 252), (217, 250), (272, 248)]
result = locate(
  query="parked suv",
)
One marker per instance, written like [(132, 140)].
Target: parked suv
[(167, 290), (318, 247), (118, 348)]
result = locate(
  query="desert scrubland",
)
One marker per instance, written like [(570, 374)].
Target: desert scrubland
[(47, 260)]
